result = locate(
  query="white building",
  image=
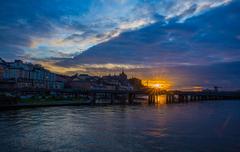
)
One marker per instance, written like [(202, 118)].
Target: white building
[(27, 75)]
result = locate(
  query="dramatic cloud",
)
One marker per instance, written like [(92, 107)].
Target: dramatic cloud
[(179, 40), (63, 29), (209, 38)]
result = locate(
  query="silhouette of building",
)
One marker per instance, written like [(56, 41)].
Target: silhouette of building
[(27, 75), (3, 65), (123, 76), (110, 82), (117, 82), (79, 82), (136, 83)]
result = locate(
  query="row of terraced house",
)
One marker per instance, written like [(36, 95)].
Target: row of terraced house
[(18, 74)]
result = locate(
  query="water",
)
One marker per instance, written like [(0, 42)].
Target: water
[(206, 126)]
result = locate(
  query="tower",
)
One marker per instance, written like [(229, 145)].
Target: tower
[(123, 75)]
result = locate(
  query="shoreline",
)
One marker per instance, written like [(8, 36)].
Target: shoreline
[(39, 104)]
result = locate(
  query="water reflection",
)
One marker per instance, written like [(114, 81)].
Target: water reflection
[(206, 126), (161, 100)]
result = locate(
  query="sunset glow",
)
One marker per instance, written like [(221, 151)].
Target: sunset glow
[(158, 84), (119, 75), (168, 43)]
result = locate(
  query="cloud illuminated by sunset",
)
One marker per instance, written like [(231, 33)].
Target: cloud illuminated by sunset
[(179, 40), (106, 20)]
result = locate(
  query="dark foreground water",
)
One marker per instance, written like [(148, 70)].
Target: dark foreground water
[(206, 126)]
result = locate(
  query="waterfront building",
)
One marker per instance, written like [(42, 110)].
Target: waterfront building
[(1, 72), (27, 75), (136, 83), (117, 82), (2, 67), (110, 82), (81, 81), (80, 84), (84, 77)]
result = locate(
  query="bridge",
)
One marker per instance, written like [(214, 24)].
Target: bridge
[(131, 96)]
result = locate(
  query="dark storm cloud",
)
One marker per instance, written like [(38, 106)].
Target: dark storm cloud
[(72, 27), (210, 38)]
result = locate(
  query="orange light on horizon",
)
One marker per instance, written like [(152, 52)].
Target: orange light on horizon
[(193, 88), (157, 84)]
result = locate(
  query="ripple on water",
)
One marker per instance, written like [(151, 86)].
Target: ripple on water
[(207, 126)]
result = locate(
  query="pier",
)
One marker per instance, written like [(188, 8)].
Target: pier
[(171, 96), (129, 97)]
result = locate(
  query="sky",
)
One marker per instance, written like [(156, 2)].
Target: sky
[(184, 42)]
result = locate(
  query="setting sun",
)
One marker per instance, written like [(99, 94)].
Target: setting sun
[(158, 84)]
